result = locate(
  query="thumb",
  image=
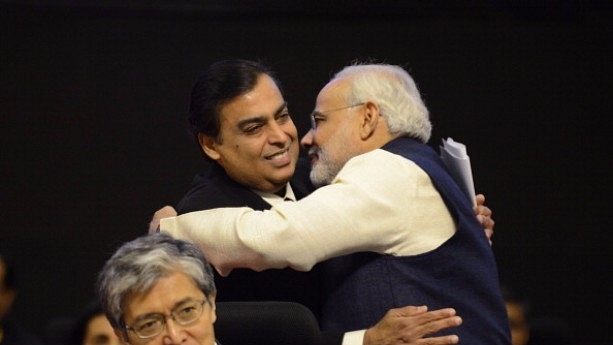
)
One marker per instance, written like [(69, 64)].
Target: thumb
[(164, 212)]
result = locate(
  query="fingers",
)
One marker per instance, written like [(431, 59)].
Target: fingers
[(154, 226), (422, 314), (489, 235), (486, 222), (408, 310), (482, 210), (447, 339), (490, 223), (439, 324), (423, 324), (409, 325), (484, 216), (480, 199), (164, 212)]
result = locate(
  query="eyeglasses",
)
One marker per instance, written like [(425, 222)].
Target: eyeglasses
[(153, 324), (315, 113)]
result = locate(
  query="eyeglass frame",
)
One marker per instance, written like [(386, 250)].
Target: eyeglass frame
[(164, 317), (315, 112)]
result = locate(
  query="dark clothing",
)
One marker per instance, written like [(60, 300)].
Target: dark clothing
[(214, 189), (461, 273), (14, 334)]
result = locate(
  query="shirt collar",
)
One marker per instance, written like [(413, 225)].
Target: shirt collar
[(275, 199)]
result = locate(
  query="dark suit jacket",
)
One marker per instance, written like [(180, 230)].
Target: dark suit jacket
[(214, 189)]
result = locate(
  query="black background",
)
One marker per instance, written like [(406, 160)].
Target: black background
[(93, 98)]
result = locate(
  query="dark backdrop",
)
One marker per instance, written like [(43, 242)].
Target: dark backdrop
[(93, 97)]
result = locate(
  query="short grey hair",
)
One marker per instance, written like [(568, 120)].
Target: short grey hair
[(396, 94), (139, 264)]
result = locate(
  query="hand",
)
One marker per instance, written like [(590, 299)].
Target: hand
[(484, 216), (164, 212), (409, 325)]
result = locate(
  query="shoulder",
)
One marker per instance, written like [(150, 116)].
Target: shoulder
[(380, 160), (215, 189)]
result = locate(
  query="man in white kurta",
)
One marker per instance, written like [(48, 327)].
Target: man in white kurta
[(376, 190)]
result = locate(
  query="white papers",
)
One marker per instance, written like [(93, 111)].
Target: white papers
[(457, 161)]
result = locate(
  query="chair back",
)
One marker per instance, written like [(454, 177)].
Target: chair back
[(265, 323)]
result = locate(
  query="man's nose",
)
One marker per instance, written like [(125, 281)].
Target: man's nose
[(307, 139), (174, 333), (277, 134)]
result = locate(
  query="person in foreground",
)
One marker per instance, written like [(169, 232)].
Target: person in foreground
[(386, 192), (159, 290)]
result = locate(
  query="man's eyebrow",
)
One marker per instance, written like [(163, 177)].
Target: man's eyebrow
[(183, 301), (261, 118), (175, 306), (144, 317), (246, 122), (316, 113), (281, 108)]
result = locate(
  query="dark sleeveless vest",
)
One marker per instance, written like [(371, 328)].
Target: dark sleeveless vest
[(461, 273)]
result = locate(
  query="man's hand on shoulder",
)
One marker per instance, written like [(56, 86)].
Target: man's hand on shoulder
[(410, 325), (164, 212), (484, 216)]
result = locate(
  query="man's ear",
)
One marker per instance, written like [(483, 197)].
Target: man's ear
[(370, 120), (211, 298), (209, 146)]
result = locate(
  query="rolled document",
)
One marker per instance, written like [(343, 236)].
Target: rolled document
[(457, 161)]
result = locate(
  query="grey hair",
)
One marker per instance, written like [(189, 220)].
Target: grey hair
[(396, 94), (139, 264)]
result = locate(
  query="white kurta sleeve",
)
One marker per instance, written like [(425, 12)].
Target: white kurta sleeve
[(379, 202)]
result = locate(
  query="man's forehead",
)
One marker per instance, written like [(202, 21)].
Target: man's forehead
[(237, 115), (168, 291), (261, 101), (334, 91)]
